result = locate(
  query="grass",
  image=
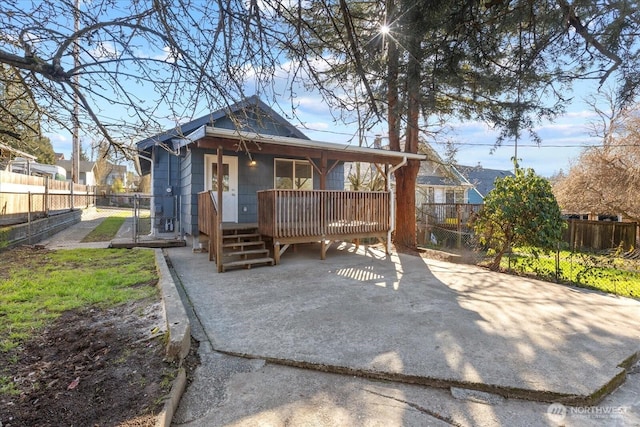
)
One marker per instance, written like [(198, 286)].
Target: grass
[(606, 273), (39, 288), (106, 230)]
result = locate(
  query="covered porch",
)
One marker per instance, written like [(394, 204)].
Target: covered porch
[(290, 216)]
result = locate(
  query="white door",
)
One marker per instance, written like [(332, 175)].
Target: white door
[(229, 184)]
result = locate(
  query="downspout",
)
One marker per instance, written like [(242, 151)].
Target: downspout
[(152, 206), (392, 202)]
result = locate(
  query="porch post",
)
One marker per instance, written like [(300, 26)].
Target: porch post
[(219, 180), (220, 217), (323, 170)]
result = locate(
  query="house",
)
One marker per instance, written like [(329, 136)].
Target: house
[(439, 182), (482, 180), (111, 176), (116, 172), (87, 173), (274, 182)]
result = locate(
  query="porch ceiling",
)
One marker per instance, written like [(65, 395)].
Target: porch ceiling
[(213, 138)]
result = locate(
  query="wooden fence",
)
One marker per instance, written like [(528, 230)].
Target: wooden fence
[(449, 225), (600, 235), (24, 198)]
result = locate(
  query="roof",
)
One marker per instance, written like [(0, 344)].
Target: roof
[(209, 120), (85, 166), (482, 179), (16, 151), (436, 172), (203, 134), (273, 140), (439, 180)]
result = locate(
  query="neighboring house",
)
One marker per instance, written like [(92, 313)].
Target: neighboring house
[(116, 172), (482, 180), (438, 182), (266, 163), (87, 175), (16, 161)]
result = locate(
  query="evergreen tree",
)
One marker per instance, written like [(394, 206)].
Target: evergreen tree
[(20, 118), (507, 63)]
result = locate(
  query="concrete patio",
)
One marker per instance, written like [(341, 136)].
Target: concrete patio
[(410, 320)]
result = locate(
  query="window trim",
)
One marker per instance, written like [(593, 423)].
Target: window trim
[(293, 170)]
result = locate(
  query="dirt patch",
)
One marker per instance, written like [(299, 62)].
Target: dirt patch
[(91, 367)]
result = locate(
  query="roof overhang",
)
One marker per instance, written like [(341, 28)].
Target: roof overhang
[(213, 138), (17, 152)]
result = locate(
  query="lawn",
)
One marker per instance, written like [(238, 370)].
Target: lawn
[(36, 286), (607, 273), (106, 230)]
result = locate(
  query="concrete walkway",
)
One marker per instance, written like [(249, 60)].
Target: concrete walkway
[(402, 320), (72, 236)]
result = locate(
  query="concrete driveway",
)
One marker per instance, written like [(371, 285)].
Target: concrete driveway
[(402, 320)]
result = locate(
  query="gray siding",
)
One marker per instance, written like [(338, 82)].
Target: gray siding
[(255, 123), (166, 176), (197, 185), (187, 180)]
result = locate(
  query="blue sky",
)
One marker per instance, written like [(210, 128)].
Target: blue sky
[(562, 140)]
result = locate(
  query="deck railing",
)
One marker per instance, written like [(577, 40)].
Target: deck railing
[(322, 213), (448, 215), (209, 223)]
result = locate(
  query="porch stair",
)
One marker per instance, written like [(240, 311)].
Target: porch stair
[(243, 248)]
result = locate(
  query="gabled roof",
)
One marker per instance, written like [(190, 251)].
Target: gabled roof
[(442, 174), (252, 102), (275, 136), (482, 179), (6, 148), (85, 166)]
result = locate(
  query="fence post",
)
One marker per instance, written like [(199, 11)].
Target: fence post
[(71, 204), (46, 196), (29, 207), (136, 212)]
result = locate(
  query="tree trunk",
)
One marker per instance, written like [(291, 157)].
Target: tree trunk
[(405, 233), (494, 265)]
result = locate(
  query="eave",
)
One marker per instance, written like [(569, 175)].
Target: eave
[(212, 138)]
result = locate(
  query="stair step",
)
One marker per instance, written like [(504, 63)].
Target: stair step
[(247, 252), (247, 263), (240, 236), (243, 244)]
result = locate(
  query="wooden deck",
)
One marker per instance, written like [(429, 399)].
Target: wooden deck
[(287, 217), (304, 216)]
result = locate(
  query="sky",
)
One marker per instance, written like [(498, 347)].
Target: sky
[(562, 140)]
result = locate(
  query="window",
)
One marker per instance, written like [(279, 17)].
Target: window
[(454, 196), (293, 174), (225, 177)]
